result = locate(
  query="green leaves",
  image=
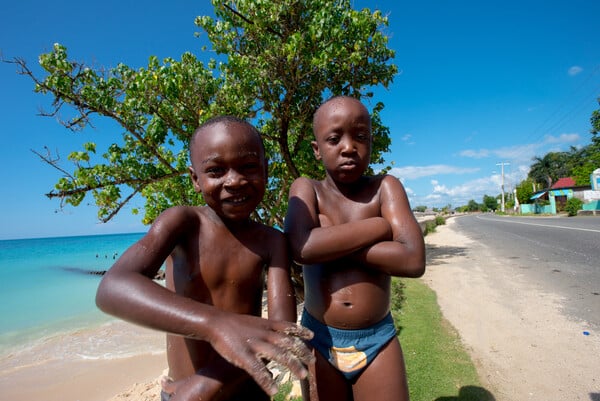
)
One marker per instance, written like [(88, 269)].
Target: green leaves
[(276, 62)]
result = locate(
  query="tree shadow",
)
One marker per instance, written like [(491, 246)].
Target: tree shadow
[(595, 396), (470, 393), (436, 255)]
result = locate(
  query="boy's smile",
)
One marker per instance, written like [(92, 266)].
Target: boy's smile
[(229, 168)]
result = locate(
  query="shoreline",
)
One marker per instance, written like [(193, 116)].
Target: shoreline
[(89, 364)]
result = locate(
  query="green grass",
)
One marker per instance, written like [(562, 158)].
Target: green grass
[(438, 367)]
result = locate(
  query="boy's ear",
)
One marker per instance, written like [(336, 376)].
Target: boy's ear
[(194, 178), (315, 149)]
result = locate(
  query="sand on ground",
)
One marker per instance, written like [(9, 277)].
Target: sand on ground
[(524, 348)]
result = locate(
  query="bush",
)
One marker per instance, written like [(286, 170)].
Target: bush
[(573, 205), (430, 226), (440, 220)]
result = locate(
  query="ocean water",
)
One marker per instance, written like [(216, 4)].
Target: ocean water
[(47, 298)]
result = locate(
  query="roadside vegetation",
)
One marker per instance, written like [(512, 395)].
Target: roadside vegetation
[(438, 366)]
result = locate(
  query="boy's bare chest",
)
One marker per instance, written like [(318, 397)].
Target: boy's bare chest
[(340, 209), (218, 262)]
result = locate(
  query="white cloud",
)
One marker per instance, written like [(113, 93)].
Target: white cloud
[(575, 70), (522, 153), (414, 172), (408, 139), (475, 154), (562, 138)]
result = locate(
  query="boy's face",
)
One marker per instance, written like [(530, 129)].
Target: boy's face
[(342, 130), (229, 168)]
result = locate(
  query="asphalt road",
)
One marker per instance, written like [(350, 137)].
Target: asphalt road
[(561, 254)]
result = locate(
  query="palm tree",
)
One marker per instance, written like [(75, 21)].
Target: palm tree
[(551, 167), (539, 171)]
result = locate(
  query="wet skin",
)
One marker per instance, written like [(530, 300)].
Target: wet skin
[(352, 233), (216, 260)]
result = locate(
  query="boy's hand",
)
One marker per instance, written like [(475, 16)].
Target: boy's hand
[(247, 341)]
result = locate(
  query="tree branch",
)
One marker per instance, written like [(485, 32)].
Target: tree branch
[(127, 181)]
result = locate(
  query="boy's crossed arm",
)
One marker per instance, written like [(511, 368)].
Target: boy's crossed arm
[(392, 243), (315, 239), (404, 253)]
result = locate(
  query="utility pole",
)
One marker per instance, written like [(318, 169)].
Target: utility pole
[(502, 166)]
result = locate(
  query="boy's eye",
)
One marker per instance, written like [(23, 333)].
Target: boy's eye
[(215, 171), (333, 139), (362, 137)]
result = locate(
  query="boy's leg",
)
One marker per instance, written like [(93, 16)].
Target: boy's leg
[(247, 390), (331, 384), (385, 378)]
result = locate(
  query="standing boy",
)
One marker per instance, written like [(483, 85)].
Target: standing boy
[(216, 257), (352, 233)]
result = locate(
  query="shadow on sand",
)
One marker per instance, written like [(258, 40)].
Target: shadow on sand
[(436, 255), (595, 396), (470, 393)]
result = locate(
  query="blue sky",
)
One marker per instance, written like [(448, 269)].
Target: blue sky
[(481, 83)]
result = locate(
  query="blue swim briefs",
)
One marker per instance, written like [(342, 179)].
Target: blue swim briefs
[(350, 351)]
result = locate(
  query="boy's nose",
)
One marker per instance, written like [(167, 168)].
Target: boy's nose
[(348, 145), (234, 179)]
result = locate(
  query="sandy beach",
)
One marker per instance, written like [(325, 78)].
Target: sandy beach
[(61, 369), (522, 345)]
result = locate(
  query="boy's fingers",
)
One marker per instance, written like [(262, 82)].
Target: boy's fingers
[(262, 376), (295, 346), (287, 351), (298, 331)]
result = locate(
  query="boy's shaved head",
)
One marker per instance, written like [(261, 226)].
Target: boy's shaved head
[(331, 103), (225, 120)]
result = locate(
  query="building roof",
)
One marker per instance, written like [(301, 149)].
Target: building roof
[(566, 182)]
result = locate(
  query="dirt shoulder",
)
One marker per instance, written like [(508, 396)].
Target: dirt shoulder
[(523, 346)]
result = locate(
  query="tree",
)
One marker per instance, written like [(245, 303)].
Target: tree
[(525, 191), (490, 202), (277, 61), (549, 168), (473, 206), (590, 155)]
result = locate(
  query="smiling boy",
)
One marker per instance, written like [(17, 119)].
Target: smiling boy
[(216, 259)]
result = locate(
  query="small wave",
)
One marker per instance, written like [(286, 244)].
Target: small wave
[(112, 340)]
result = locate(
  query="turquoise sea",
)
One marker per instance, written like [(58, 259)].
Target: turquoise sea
[(47, 291)]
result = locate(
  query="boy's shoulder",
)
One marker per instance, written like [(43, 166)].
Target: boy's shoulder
[(305, 181), (178, 217), (182, 211), (267, 231)]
